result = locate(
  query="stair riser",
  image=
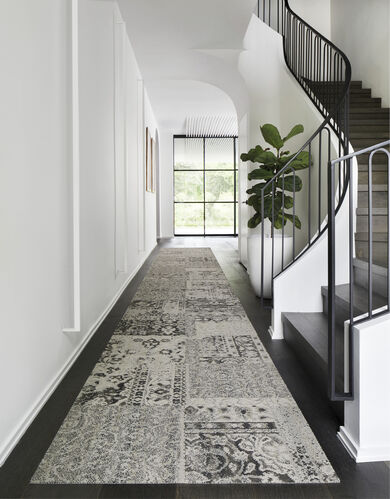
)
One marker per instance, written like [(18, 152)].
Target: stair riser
[(368, 123), (375, 135), (379, 223), (377, 114), (312, 363), (376, 167), (378, 158), (377, 177), (379, 253), (379, 199), (357, 100), (363, 143), (364, 92), (369, 104), (342, 312), (382, 130), (379, 282)]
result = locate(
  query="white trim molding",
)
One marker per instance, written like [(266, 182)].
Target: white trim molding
[(76, 328), (361, 454), (366, 430), (120, 145), (141, 166)]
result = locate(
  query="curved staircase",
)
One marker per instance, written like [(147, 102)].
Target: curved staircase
[(356, 118), (307, 333)]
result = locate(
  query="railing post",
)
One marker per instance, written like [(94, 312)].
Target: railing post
[(262, 248), (331, 281)]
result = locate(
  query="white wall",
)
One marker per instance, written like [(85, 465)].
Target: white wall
[(362, 30), (37, 185), (316, 13), (34, 202)]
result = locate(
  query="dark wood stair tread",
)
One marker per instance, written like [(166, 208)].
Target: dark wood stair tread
[(360, 298)]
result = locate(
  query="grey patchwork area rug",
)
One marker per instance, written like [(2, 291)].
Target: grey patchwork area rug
[(184, 393)]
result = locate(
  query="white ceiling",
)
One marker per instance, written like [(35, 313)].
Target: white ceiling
[(187, 52), (185, 24), (174, 100)]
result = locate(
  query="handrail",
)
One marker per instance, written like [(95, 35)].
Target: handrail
[(324, 73), (372, 311)]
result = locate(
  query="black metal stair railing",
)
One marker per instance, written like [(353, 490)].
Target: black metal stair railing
[(372, 309), (324, 72)]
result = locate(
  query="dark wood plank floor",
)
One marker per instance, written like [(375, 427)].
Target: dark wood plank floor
[(371, 481)]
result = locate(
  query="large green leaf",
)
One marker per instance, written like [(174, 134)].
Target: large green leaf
[(288, 200), (258, 155), (251, 154), (297, 129), (279, 221), (299, 163), (252, 200), (289, 183), (256, 203), (290, 217), (267, 206), (254, 221), (257, 188), (271, 135), (260, 174)]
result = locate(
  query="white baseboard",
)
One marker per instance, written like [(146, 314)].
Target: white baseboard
[(273, 335), (360, 454), (8, 447)]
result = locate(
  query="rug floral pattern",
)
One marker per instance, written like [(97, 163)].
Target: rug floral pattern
[(184, 392)]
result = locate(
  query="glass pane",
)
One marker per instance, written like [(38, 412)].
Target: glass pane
[(188, 218), (188, 154), (188, 186), (220, 218), (219, 186), (219, 154)]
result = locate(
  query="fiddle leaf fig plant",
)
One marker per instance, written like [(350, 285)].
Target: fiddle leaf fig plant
[(269, 164)]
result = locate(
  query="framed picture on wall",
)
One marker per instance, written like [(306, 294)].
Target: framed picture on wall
[(152, 164), (147, 161)]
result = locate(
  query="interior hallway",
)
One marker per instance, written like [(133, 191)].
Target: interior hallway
[(364, 480)]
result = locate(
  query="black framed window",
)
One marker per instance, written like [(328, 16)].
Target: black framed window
[(205, 186)]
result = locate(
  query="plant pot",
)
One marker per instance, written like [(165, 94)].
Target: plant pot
[(254, 260)]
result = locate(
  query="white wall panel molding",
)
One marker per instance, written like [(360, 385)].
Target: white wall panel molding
[(76, 327), (120, 150), (141, 143)]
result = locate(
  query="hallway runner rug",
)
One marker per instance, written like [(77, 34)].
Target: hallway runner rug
[(184, 392)]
